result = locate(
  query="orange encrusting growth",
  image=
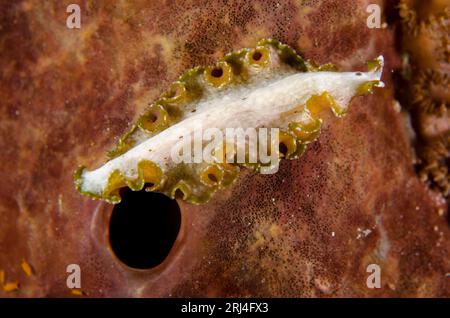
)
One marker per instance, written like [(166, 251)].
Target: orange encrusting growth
[(9, 287), (76, 292), (26, 268)]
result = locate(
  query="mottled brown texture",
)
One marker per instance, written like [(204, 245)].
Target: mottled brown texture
[(67, 94)]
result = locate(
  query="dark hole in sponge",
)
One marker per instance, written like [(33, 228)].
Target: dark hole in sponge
[(212, 177), (143, 228), (257, 56), (153, 117), (179, 194), (217, 72), (283, 149)]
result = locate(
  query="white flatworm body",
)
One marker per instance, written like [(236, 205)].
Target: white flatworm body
[(268, 86)]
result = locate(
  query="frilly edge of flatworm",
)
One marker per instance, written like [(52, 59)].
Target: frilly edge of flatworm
[(269, 86)]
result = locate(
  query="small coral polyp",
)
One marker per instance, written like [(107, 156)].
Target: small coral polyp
[(268, 86), (430, 91), (435, 156), (419, 14)]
